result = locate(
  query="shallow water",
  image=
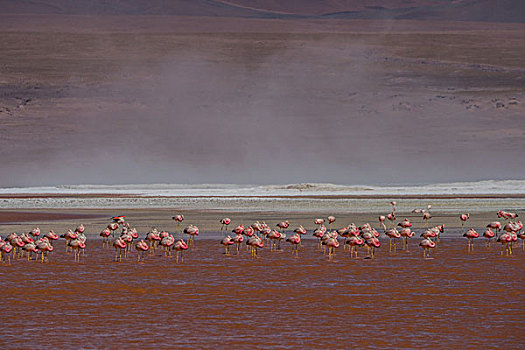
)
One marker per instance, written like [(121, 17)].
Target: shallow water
[(456, 300)]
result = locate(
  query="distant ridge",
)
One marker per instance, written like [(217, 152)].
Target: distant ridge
[(508, 11)]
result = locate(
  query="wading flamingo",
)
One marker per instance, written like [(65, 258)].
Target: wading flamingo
[(295, 241), (180, 246), (225, 222), (427, 244), (142, 248), (470, 235), (227, 242)]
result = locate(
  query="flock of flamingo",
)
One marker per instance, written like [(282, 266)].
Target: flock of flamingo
[(35, 246)]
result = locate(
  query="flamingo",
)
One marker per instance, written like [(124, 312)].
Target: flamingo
[(141, 247), (167, 242), (488, 234), (319, 222), (68, 236), (238, 239), (113, 227), (405, 223), (354, 242), (319, 232), (372, 243), (45, 247), (51, 235), (225, 222), (506, 240), (464, 218), (295, 241), (76, 245), (274, 236), (332, 243), (382, 219), (191, 231), (180, 246), (30, 248), (283, 225), (119, 245), (426, 217), (495, 225), (470, 235), (255, 242), (427, 244), (300, 231), (80, 229), (153, 238), (227, 242), (238, 230), (331, 220), (406, 233), (393, 203), (393, 234), (6, 249), (178, 219), (35, 232)]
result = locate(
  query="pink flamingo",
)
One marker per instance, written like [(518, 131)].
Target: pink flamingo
[(354, 242), (393, 234), (331, 220), (470, 235), (300, 230), (225, 222), (35, 232), (406, 233), (319, 233), (332, 243), (489, 235), (255, 242), (76, 245), (113, 227), (178, 219), (426, 217), (248, 231), (180, 246), (45, 247), (495, 225), (274, 236), (69, 235), (227, 242), (372, 243), (119, 245), (295, 241), (30, 248), (238, 239), (464, 218), (506, 240), (238, 230), (427, 244), (153, 238), (405, 223), (382, 219), (167, 242), (51, 235), (191, 231), (142, 248), (283, 225), (393, 206), (6, 249), (105, 235), (319, 221)]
